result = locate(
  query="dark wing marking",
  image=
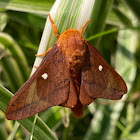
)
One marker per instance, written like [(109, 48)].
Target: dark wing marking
[(84, 98), (72, 98)]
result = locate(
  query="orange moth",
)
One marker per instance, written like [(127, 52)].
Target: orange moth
[(72, 74)]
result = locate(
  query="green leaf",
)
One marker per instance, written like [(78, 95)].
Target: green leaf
[(11, 70), (16, 52), (102, 33), (98, 19), (3, 21), (27, 19), (32, 6), (123, 18), (135, 6), (127, 41)]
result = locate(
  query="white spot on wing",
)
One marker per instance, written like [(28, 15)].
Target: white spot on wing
[(100, 67), (44, 76)]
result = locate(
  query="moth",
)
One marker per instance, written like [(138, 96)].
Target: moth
[(72, 74)]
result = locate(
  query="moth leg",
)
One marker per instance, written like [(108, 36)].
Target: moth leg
[(53, 27), (36, 66), (81, 31), (44, 53)]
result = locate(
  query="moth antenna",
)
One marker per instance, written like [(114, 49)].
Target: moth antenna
[(81, 31), (53, 27)]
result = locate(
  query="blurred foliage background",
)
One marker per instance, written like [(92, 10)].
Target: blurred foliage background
[(115, 32)]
